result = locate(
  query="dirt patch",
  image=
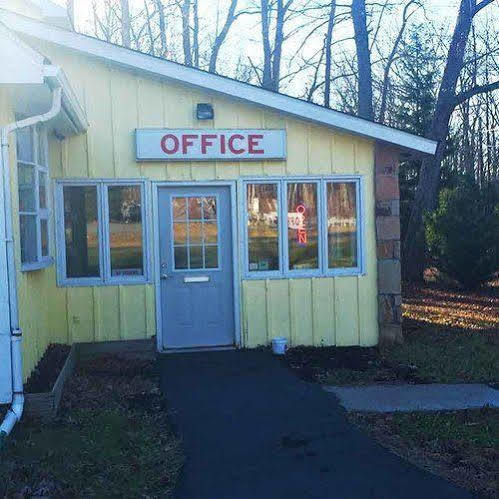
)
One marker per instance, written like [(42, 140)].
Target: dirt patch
[(462, 446), (47, 370), (112, 438)]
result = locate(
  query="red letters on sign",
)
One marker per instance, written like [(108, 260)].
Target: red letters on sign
[(175, 140), (253, 142), (187, 141), (212, 144), (232, 139), (207, 140)]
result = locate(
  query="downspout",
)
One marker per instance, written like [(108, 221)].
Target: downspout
[(16, 409)]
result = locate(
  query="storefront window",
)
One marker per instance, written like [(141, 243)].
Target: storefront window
[(321, 236), (103, 233), (303, 228), (263, 227), (342, 224)]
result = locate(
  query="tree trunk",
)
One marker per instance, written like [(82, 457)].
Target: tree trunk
[(267, 51), (162, 27), (220, 38), (195, 34), (365, 85), (125, 23), (329, 54), (426, 193), (186, 32)]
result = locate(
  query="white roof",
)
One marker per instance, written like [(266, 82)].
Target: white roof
[(217, 84)]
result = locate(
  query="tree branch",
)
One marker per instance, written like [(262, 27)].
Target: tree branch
[(481, 5), (479, 89)]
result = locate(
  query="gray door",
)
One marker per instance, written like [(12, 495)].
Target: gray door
[(195, 236)]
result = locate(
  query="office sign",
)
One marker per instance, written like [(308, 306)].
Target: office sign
[(206, 144)]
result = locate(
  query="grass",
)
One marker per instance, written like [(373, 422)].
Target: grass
[(461, 445), (113, 439), (449, 337)]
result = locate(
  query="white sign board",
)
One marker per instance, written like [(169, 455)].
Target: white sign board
[(206, 144)]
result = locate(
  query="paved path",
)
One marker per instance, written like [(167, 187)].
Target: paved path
[(434, 397), (252, 430)]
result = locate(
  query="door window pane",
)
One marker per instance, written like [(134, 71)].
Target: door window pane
[(27, 224), (342, 224), (263, 227), (26, 181), (181, 258), (125, 230), (81, 227), (196, 257), (211, 257), (303, 237), (209, 208)]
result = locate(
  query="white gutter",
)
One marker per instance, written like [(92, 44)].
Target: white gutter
[(16, 409)]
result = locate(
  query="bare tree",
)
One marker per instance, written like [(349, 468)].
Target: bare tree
[(125, 23), (365, 80), (447, 100), (186, 31), (222, 35), (329, 54)]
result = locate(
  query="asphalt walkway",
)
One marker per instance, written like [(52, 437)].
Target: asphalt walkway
[(253, 430), (434, 397)]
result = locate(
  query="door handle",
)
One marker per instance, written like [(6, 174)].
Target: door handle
[(164, 276)]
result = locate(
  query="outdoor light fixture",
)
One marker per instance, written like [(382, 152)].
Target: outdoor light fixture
[(205, 111)]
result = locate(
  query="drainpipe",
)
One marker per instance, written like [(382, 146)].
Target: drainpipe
[(16, 409)]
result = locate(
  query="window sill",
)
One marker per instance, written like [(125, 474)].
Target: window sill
[(305, 275), (32, 267), (97, 283)]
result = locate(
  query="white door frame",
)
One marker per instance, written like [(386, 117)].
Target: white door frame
[(232, 184)]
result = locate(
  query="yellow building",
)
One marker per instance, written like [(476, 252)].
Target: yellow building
[(156, 199)]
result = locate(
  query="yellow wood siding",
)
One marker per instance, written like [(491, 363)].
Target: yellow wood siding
[(318, 311)]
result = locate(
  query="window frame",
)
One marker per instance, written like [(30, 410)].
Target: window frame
[(323, 269), (39, 136), (105, 278)]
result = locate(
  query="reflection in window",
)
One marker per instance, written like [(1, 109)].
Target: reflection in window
[(342, 224), (195, 232), (81, 227), (263, 227), (125, 230), (303, 238)]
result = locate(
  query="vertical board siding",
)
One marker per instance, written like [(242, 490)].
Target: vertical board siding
[(319, 311)]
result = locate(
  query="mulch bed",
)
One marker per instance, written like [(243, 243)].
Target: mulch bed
[(351, 364), (112, 438), (45, 374)]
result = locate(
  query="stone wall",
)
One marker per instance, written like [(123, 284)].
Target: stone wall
[(388, 244)]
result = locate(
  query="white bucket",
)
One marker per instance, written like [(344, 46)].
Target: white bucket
[(279, 346)]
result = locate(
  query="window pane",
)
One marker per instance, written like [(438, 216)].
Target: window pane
[(181, 257), (81, 226), (210, 233), (24, 142), (44, 229), (303, 239), (179, 208), (209, 208), (211, 257), (342, 224), (27, 224), (42, 151), (194, 208), (195, 233), (42, 189), (26, 181), (263, 228), (125, 230), (196, 257), (180, 233)]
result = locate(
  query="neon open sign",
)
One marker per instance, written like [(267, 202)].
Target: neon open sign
[(296, 221)]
